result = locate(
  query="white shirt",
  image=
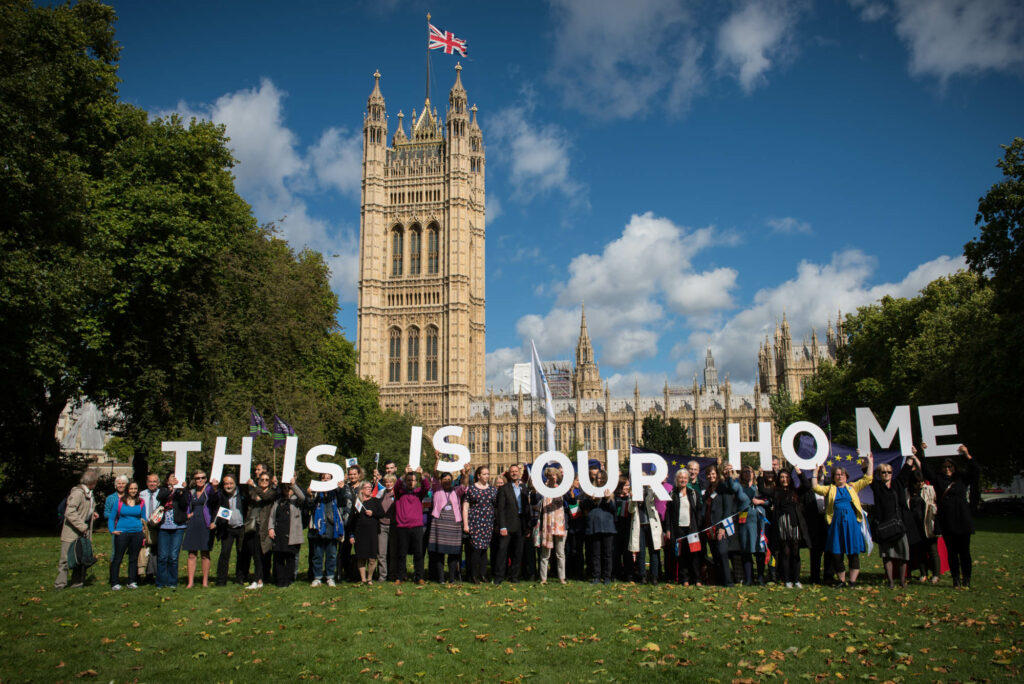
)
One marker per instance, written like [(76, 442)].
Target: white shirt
[(684, 509)]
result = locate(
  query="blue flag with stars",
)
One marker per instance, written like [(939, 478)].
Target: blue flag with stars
[(846, 457)]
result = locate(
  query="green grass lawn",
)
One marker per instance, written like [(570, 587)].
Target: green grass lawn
[(567, 633)]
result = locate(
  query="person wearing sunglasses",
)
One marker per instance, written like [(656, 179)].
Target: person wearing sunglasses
[(257, 528), (201, 516), (893, 523)]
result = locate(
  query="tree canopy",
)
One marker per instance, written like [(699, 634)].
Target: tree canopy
[(136, 276), (668, 437)]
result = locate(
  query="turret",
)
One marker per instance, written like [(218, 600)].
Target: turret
[(375, 125)]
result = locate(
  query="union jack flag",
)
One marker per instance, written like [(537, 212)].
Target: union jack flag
[(446, 40)]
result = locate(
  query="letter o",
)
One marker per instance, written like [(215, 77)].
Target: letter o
[(820, 439), (537, 474)]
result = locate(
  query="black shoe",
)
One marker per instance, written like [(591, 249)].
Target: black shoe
[(595, 581), (839, 584)]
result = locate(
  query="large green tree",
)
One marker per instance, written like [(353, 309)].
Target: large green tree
[(59, 118), (935, 348), (134, 274)]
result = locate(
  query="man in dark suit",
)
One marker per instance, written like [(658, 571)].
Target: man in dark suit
[(510, 509)]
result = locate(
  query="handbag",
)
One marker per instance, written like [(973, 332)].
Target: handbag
[(157, 516), (889, 530)]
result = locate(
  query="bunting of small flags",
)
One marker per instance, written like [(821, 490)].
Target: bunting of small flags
[(728, 527), (743, 518), (764, 547), (694, 541)]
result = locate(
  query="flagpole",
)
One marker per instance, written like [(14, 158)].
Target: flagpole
[(428, 57)]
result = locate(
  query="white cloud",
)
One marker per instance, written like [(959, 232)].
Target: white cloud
[(272, 174), (494, 208), (754, 37), (612, 58), (809, 300), (337, 160), (789, 226), (951, 37), (870, 10), (632, 290), (623, 384), (537, 154), (499, 367)]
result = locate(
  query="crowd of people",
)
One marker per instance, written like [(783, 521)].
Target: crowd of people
[(718, 526)]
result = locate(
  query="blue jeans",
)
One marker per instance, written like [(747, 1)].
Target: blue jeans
[(324, 550), (167, 557)]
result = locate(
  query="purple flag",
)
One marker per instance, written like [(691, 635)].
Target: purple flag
[(281, 431), (257, 426)]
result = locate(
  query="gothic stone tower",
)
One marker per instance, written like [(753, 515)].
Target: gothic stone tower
[(421, 259)]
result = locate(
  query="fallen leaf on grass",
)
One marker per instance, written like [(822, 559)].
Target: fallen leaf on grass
[(87, 673), (509, 651), (452, 649), (481, 637)]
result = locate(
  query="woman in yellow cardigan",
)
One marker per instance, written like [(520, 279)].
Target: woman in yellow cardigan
[(844, 515)]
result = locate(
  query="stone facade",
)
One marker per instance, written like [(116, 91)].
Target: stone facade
[(421, 328), (781, 366), (506, 429)]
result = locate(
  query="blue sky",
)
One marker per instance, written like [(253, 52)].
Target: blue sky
[(690, 170)]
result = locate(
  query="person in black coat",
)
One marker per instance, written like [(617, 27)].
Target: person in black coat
[(718, 505), (230, 530), (892, 507), (952, 486), (790, 525), (817, 527), (600, 530), (512, 517), (683, 504)]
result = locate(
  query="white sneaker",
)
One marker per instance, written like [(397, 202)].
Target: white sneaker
[(798, 585), (253, 586), (116, 587), (330, 582), (315, 583), (789, 585), (133, 585)]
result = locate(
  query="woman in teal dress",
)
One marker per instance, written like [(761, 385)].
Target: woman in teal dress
[(844, 516)]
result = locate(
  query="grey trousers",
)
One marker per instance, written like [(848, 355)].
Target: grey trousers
[(77, 575), (382, 552)]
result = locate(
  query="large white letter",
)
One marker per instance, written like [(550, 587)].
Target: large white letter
[(291, 447), (638, 480), (930, 432), (868, 425), (537, 474), (415, 446), (242, 460), (181, 450), (763, 445), (332, 469), (821, 445), (443, 447), (583, 470)]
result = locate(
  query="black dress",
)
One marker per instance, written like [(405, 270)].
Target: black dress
[(365, 528)]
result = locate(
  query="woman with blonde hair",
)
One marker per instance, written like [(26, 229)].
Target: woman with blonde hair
[(844, 515)]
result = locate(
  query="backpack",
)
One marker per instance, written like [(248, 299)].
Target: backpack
[(62, 508), (80, 554)]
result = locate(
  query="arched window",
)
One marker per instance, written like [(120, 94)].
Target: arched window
[(395, 356), (413, 374), (415, 240), (433, 248), (396, 251), (431, 371)]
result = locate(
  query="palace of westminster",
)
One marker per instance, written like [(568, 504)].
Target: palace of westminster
[(421, 316)]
